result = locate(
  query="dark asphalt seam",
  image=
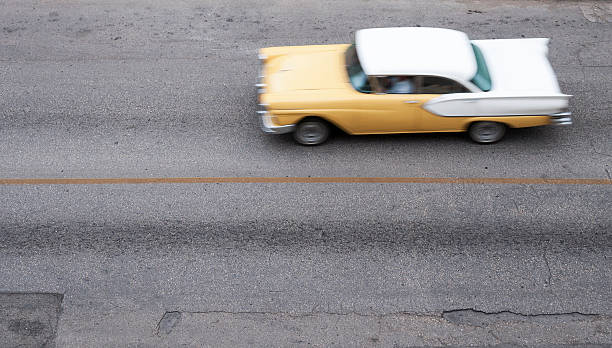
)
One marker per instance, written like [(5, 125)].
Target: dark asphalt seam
[(549, 278), (304, 180), (56, 294)]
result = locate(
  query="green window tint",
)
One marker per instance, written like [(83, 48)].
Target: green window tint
[(482, 78)]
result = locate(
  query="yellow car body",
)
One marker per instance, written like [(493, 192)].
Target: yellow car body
[(382, 85), (321, 88)]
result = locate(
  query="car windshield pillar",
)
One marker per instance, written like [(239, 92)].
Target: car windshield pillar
[(357, 77)]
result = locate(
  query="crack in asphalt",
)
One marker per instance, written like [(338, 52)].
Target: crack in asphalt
[(416, 314), (306, 314), (462, 316), (525, 315), (494, 321)]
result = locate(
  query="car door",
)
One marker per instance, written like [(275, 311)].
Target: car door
[(384, 112), (430, 87)]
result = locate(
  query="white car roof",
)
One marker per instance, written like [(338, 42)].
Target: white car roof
[(416, 51)]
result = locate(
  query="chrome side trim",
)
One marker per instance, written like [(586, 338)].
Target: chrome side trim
[(560, 118), (497, 115)]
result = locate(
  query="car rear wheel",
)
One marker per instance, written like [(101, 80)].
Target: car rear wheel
[(311, 132), (487, 132)]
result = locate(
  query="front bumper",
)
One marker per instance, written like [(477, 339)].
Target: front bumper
[(269, 127), (262, 112), (561, 119)]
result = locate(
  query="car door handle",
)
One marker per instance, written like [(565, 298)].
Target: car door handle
[(411, 101)]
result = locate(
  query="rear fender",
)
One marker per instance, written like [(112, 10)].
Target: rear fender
[(492, 104)]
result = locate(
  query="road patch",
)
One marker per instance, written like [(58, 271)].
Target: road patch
[(29, 319)]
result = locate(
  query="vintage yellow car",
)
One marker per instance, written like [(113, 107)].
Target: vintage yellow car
[(409, 80)]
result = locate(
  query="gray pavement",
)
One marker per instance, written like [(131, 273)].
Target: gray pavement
[(164, 89)]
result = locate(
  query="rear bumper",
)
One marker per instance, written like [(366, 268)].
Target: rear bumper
[(561, 119)]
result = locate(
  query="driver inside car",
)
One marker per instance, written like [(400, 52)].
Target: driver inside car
[(401, 85)]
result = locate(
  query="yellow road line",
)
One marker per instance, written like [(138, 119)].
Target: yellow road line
[(279, 180)]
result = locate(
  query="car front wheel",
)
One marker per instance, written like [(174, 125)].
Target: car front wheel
[(487, 132), (311, 132)]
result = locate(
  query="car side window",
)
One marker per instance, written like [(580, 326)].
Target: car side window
[(439, 85), (397, 84)]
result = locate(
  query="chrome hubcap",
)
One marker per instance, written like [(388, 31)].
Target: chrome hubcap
[(311, 133), (487, 132)]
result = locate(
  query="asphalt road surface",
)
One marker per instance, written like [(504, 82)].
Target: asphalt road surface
[(164, 89)]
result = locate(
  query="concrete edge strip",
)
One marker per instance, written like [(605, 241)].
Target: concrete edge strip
[(305, 180)]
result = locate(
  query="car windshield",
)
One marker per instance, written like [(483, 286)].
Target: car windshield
[(357, 76), (482, 78)]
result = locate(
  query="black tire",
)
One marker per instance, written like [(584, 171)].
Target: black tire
[(486, 132), (311, 132)]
